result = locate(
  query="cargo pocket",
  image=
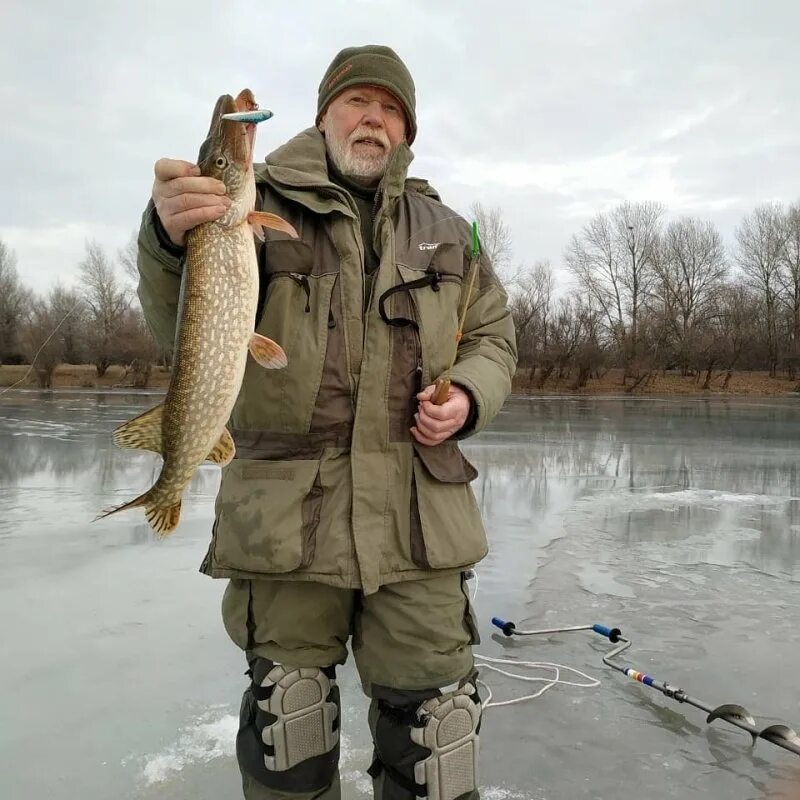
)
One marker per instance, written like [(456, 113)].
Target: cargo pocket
[(267, 515), (446, 526)]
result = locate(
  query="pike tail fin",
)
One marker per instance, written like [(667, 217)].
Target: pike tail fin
[(163, 519)]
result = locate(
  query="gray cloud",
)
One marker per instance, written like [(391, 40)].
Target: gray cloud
[(552, 111)]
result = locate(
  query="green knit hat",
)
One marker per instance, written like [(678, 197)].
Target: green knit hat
[(373, 65)]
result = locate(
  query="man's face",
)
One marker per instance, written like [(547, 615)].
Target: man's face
[(362, 126)]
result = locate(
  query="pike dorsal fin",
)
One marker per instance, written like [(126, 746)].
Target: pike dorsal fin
[(224, 450), (142, 432)]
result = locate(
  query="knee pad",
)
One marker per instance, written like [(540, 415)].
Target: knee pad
[(430, 748), (291, 737)]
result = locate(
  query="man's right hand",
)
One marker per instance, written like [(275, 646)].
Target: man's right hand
[(184, 198)]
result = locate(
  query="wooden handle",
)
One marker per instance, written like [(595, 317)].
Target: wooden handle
[(441, 392)]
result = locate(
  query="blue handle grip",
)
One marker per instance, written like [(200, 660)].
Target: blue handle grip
[(507, 627), (612, 634)]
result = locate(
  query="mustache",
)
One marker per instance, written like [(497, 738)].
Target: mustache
[(376, 135)]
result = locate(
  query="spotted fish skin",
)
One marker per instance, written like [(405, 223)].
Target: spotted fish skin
[(219, 297)]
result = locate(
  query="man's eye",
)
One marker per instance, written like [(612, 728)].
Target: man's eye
[(390, 108), (357, 100)]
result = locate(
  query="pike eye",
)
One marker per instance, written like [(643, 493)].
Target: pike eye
[(222, 162)]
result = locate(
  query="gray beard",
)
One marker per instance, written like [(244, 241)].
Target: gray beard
[(363, 169)]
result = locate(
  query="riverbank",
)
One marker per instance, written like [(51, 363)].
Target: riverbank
[(663, 383), (84, 376)]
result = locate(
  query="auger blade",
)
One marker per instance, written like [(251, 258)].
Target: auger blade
[(731, 712), (780, 733)]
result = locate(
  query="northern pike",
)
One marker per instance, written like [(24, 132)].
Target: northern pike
[(218, 306)]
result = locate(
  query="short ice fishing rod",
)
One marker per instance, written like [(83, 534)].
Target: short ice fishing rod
[(780, 735), (442, 386)]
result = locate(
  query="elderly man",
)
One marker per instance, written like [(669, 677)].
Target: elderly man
[(347, 513)]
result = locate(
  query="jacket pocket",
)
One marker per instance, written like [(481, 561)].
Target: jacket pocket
[(446, 526), (298, 315), (437, 306), (267, 515)]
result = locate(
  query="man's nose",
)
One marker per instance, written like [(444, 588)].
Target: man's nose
[(373, 114)]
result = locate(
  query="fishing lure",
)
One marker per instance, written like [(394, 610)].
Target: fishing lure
[(255, 116)]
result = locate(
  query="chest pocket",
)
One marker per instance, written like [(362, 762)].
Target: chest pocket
[(433, 281), (296, 310)]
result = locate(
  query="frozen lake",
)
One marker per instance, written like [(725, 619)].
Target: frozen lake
[(677, 520)]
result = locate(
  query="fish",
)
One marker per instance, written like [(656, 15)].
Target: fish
[(215, 332)]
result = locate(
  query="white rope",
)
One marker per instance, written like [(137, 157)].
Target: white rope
[(554, 679)]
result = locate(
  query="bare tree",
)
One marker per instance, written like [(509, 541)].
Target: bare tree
[(613, 259), (43, 347), (108, 301), (136, 348), (72, 318), (530, 301), (789, 279), (760, 244), (15, 303), (691, 268), (128, 257), (731, 325), (494, 235)]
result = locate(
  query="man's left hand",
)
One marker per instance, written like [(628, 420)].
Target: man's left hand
[(437, 423)]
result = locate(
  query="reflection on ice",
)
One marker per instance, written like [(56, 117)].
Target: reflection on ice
[(678, 521)]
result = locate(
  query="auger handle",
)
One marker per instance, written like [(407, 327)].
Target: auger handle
[(506, 627), (612, 634)]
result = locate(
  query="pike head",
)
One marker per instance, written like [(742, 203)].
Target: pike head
[(227, 155)]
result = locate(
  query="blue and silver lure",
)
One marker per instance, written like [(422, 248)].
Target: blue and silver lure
[(255, 116)]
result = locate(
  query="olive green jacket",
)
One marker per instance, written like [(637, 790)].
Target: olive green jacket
[(327, 484)]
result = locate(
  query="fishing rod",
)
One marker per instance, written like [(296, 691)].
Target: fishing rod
[(779, 734), (442, 385)]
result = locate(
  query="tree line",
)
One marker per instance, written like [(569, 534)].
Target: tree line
[(648, 295), (98, 321)]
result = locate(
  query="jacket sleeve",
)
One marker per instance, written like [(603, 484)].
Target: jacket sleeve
[(160, 266), (487, 353)]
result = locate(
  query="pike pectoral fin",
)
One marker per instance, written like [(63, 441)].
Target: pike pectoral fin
[(263, 219), (142, 432), (266, 352), (223, 451)]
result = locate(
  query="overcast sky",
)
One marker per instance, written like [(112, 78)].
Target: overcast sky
[(553, 111)]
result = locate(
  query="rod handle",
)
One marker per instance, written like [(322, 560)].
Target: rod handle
[(612, 634), (441, 392)]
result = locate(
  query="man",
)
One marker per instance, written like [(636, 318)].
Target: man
[(347, 511)]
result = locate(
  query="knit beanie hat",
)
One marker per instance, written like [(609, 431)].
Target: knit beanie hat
[(374, 65)]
